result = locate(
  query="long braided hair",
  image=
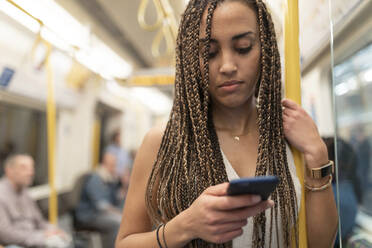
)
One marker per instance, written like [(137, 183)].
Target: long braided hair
[(190, 160)]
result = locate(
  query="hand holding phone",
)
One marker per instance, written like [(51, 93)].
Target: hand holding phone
[(262, 185)]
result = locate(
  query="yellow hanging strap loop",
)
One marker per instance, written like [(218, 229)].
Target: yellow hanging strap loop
[(51, 130), (166, 23), (165, 33), (169, 17), (168, 31), (293, 91), (142, 13)]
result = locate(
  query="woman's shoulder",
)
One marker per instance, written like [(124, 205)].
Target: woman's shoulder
[(154, 136), (149, 148)]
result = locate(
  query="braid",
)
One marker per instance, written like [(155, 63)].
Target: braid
[(190, 160), (272, 156)]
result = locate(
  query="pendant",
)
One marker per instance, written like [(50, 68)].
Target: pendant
[(236, 138)]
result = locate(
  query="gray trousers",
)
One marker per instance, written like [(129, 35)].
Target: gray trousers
[(108, 225)]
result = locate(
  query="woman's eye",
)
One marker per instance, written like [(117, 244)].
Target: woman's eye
[(244, 50), (212, 54)]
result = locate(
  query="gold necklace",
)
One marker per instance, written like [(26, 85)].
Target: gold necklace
[(235, 136)]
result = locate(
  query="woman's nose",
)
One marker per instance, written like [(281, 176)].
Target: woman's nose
[(228, 65)]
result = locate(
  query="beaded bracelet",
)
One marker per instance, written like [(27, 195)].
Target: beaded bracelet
[(157, 235), (321, 188)]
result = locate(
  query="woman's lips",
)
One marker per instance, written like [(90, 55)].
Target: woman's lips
[(230, 86)]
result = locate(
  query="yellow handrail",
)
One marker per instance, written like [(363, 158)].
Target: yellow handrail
[(24, 11), (51, 126), (160, 80), (51, 119), (293, 91)]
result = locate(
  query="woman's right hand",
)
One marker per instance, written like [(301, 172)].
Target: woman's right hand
[(216, 217)]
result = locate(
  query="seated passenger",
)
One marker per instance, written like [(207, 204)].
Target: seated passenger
[(99, 207), (20, 219)]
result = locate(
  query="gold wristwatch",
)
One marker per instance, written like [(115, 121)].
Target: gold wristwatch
[(321, 172)]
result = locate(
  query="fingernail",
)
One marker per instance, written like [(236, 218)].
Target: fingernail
[(271, 203)]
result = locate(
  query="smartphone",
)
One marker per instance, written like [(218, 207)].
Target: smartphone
[(262, 185)]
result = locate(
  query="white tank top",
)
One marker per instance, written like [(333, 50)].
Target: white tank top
[(245, 240)]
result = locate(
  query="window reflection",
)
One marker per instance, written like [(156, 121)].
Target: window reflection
[(353, 95)]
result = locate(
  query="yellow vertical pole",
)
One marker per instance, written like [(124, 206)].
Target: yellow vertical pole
[(96, 142), (51, 121), (51, 128), (293, 91)]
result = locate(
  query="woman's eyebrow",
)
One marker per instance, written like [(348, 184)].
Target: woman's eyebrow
[(238, 36), (235, 37)]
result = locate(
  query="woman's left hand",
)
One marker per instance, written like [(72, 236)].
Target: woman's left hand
[(301, 132)]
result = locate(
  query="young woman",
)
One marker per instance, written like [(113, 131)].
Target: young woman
[(227, 122)]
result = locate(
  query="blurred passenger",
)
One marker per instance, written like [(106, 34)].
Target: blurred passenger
[(123, 158), (99, 207), (348, 183), (360, 141), (124, 184), (20, 219)]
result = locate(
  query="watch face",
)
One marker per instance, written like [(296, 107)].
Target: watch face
[(326, 171)]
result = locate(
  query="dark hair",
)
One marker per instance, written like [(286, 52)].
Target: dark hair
[(190, 160), (115, 135)]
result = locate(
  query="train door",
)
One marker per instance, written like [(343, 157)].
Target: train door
[(108, 120)]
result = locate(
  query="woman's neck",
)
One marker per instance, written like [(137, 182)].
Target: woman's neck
[(237, 121)]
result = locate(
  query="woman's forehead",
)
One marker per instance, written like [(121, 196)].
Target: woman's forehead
[(230, 17)]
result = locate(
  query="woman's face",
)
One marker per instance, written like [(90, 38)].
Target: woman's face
[(234, 54)]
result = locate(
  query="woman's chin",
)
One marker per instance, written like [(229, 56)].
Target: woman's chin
[(234, 103)]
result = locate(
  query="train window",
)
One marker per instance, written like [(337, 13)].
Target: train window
[(353, 95), (23, 130)]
